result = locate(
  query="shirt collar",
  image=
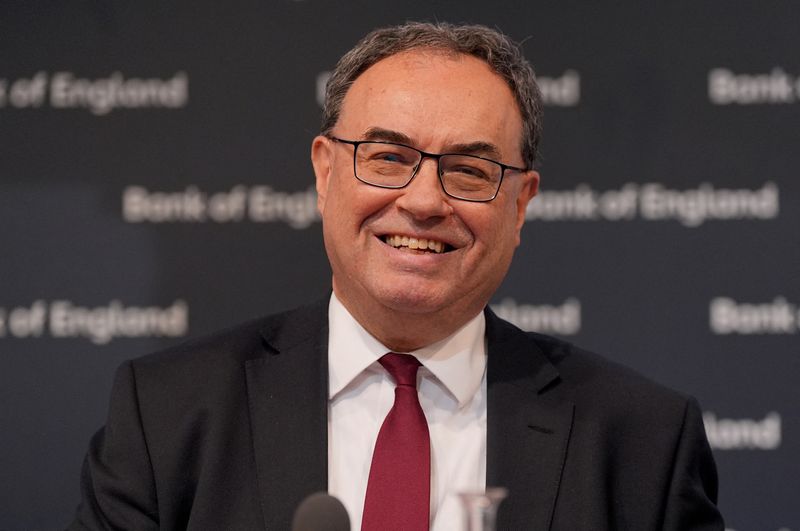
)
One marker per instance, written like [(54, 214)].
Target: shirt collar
[(457, 361)]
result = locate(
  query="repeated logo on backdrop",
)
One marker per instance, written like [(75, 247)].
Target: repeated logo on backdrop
[(776, 87), (743, 434), (657, 202), (776, 317), (560, 319), (259, 204), (62, 319), (100, 96)]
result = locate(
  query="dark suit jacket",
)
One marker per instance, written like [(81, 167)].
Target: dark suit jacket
[(230, 433)]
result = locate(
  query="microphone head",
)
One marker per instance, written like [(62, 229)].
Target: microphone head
[(320, 512)]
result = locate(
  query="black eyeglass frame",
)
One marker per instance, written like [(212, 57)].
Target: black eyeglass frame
[(423, 154)]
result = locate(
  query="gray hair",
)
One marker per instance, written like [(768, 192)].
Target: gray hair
[(502, 54)]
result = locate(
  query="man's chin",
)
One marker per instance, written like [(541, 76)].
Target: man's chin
[(415, 297), (425, 307)]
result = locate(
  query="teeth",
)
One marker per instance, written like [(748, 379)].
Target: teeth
[(415, 243)]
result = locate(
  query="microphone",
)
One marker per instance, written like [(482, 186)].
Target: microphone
[(320, 512)]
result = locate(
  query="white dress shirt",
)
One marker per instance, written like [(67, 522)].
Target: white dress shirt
[(452, 393)]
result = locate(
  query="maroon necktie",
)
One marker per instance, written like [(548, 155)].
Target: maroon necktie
[(398, 492)]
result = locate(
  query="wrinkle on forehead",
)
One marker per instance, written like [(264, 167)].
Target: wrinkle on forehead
[(478, 147)]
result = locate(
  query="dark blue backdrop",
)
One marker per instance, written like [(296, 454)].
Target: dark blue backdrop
[(155, 185)]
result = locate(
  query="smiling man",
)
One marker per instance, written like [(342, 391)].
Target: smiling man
[(402, 389), (440, 102)]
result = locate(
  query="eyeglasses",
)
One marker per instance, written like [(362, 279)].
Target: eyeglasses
[(390, 165)]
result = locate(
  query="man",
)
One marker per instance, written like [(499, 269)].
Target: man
[(424, 171)]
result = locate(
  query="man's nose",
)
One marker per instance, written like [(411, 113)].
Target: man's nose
[(424, 197)]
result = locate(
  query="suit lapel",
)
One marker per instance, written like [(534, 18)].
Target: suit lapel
[(528, 429), (287, 387)]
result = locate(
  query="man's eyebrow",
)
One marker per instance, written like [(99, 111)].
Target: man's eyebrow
[(484, 149), (387, 135)]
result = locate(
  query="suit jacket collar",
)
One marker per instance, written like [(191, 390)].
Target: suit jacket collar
[(527, 430), (527, 427), (290, 443)]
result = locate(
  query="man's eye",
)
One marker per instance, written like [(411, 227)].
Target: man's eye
[(470, 171), (388, 156)]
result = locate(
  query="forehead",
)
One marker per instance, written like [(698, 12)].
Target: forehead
[(435, 98)]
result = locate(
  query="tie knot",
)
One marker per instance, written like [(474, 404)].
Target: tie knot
[(402, 367)]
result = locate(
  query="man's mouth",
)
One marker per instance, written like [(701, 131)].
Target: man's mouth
[(417, 244)]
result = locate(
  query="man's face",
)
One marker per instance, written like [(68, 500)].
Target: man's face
[(438, 103)]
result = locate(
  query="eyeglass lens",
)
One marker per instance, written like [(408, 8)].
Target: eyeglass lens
[(393, 165)]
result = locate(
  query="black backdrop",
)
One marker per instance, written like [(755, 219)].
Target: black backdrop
[(155, 185)]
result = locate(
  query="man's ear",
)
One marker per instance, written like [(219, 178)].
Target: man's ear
[(527, 191), (322, 160)]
